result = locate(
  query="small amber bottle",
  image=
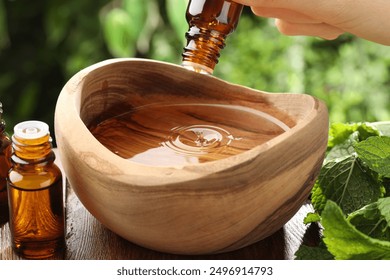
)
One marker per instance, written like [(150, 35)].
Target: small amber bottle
[(35, 193), (5, 165), (210, 22)]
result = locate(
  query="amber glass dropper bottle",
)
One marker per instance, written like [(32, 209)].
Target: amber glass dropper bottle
[(35, 193), (210, 22), (5, 165)]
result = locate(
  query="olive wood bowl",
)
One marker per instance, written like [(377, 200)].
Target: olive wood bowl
[(206, 208)]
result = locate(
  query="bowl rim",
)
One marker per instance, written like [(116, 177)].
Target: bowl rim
[(98, 157)]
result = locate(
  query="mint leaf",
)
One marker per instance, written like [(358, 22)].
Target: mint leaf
[(375, 152), (383, 127), (340, 132), (348, 183), (344, 241), (311, 218), (384, 208), (343, 149), (313, 253), (373, 219), (354, 180), (343, 137), (367, 130)]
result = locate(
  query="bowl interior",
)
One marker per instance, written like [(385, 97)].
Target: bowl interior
[(203, 112)]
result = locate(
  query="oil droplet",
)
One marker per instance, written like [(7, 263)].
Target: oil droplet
[(197, 139)]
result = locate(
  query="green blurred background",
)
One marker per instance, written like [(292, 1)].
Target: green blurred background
[(44, 43)]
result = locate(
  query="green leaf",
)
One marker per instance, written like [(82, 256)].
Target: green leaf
[(348, 183), (383, 127), (313, 253), (366, 130), (344, 241), (384, 208), (373, 219), (137, 12), (375, 152), (311, 218), (340, 132), (120, 37), (176, 10), (343, 149)]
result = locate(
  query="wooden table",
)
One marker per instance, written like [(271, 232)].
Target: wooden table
[(87, 239)]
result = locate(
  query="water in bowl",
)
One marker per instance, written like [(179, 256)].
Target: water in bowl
[(184, 134)]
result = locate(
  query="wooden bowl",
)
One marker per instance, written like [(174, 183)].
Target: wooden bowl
[(204, 208)]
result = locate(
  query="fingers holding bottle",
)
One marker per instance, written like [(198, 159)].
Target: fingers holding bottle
[(327, 18)]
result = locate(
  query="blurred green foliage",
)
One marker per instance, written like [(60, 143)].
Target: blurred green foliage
[(43, 45)]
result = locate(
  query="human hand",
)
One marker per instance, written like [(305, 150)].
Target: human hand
[(327, 19)]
